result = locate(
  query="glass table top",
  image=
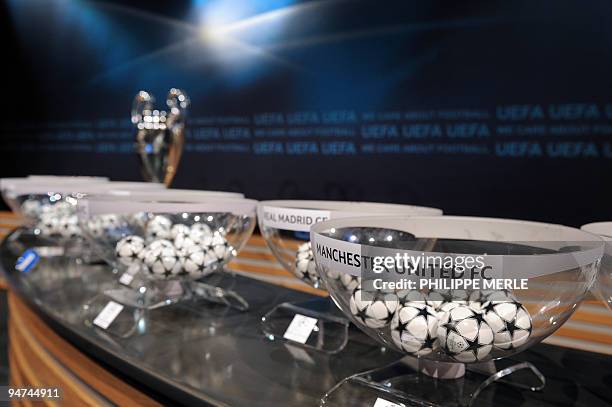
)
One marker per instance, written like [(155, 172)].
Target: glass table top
[(194, 352)]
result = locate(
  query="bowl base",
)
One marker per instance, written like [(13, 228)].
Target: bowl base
[(314, 324), (414, 382)]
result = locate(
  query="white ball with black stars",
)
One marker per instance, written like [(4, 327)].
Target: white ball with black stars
[(510, 322), (332, 273), (129, 249), (479, 298), (407, 296), (108, 222), (436, 299), (158, 228), (196, 262), (220, 247), (305, 268), (373, 309), (464, 334), (63, 208), (94, 228), (48, 225), (155, 245), (199, 231), (182, 242), (31, 208), (179, 230), (163, 261), (414, 328), (447, 306), (350, 282), (68, 227)]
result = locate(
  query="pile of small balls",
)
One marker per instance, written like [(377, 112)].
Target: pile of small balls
[(465, 326), (170, 250), (57, 220), (304, 267)]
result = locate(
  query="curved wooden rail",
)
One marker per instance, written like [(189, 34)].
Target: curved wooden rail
[(38, 357)]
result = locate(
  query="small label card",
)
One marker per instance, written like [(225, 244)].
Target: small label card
[(108, 314), (126, 279), (386, 403), (300, 328)]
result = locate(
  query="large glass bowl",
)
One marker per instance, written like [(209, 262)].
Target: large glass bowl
[(8, 185), (285, 226), (161, 242), (49, 209), (544, 270), (603, 285)]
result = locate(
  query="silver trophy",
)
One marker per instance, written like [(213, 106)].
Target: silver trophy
[(160, 134)]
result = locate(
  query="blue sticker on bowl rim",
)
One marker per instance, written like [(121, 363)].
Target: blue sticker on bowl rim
[(27, 261)]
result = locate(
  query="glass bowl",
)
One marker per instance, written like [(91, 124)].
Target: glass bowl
[(7, 185), (167, 245), (455, 289), (285, 226), (49, 209), (603, 285)]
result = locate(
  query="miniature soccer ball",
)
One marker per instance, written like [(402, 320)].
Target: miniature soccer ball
[(68, 227), (159, 243), (220, 247), (48, 225), (182, 242), (414, 328), (350, 282), (196, 261), (94, 228), (331, 273), (436, 299), (158, 228), (480, 298), (447, 306), (109, 222), (305, 267), (129, 249), (374, 310), (31, 208), (510, 322), (202, 240), (179, 230), (64, 208), (162, 260), (199, 231), (465, 335), (459, 296), (408, 296), (139, 219)]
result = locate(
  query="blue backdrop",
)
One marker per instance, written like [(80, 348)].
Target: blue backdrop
[(485, 108)]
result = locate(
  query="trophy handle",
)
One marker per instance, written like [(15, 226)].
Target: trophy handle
[(178, 102), (143, 101)]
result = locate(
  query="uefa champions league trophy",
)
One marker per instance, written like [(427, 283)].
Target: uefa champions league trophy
[(160, 134)]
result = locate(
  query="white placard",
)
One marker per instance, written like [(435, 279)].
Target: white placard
[(351, 258), (386, 403), (295, 219), (126, 279), (108, 314), (300, 328), (336, 254)]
